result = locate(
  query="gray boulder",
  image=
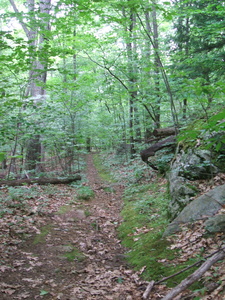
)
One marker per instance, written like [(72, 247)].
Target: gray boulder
[(215, 224), (188, 166), (202, 207), (181, 192), (197, 164)]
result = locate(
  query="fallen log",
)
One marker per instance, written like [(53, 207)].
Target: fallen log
[(145, 154), (163, 132), (148, 290), (40, 181)]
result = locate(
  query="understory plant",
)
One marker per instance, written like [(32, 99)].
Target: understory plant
[(85, 193)]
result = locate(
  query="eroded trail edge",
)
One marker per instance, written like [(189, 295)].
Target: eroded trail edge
[(77, 254)]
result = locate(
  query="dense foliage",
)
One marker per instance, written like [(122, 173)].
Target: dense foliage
[(87, 74)]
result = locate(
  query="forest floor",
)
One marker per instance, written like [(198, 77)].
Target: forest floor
[(55, 245), (71, 250)]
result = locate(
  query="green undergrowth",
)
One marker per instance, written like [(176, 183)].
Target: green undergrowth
[(85, 193), (64, 209), (145, 218), (103, 171), (144, 221)]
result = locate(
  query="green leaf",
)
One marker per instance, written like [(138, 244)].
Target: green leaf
[(43, 293), (218, 146), (120, 280), (217, 117), (2, 156)]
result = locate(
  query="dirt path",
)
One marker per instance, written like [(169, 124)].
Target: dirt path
[(77, 255)]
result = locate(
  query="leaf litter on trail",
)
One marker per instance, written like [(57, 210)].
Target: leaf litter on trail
[(41, 267)]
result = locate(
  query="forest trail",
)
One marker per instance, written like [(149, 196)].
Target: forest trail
[(77, 254)]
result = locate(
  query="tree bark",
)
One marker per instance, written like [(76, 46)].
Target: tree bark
[(40, 181), (163, 132), (36, 36), (145, 154)]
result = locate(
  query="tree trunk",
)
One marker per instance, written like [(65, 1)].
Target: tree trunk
[(163, 73), (156, 65), (132, 75), (33, 155), (154, 106), (38, 71), (145, 154)]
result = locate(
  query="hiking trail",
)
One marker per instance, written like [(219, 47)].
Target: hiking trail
[(76, 255)]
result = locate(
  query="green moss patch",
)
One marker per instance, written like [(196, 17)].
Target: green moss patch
[(109, 189), (73, 254), (145, 219), (64, 209), (40, 238)]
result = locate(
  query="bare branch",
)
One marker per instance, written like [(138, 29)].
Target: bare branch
[(196, 275), (26, 30), (108, 69), (148, 289)]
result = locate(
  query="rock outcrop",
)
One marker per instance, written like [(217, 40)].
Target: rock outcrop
[(215, 224), (187, 167), (203, 207)]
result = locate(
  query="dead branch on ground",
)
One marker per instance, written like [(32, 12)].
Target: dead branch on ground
[(41, 181), (211, 259)]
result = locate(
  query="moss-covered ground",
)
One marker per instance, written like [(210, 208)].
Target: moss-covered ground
[(144, 221)]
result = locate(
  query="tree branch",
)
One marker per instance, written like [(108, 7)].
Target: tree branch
[(26, 30), (153, 283), (148, 289), (196, 275), (108, 69)]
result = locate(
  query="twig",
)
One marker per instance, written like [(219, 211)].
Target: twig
[(196, 275), (148, 289), (152, 283), (187, 268)]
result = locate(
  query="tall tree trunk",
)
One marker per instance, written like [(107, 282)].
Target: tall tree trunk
[(156, 65), (162, 71), (132, 75), (152, 29), (36, 36)]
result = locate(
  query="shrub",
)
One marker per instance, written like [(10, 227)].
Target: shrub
[(85, 193)]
